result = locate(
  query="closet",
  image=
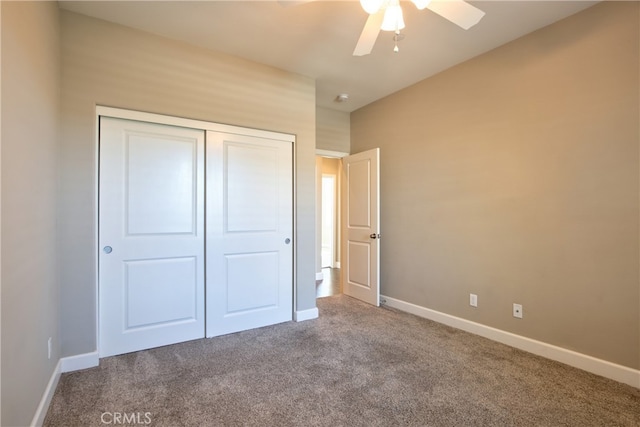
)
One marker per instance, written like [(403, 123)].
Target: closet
[(195, 230)]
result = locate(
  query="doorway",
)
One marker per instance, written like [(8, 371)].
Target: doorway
[(357, 230), (329, 172)]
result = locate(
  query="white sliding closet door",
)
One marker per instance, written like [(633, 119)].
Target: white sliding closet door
[(151, 216), (249, 232), (155, 282)]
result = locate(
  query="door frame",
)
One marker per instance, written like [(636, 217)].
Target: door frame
[(120, 113)]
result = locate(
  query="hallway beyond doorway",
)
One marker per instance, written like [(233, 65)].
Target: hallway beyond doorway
[(330, 283)]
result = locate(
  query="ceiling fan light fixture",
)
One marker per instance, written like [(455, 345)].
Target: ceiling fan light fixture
[(371, 6), (421, 4), (393, 20)]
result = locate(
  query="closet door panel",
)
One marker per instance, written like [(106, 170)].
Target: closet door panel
[(249, 232), (151, 228)]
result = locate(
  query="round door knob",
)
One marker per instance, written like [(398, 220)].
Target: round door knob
[(287, 240), (107, 249)]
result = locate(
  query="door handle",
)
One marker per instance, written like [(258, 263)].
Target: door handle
[(374, 236), (107, 249)]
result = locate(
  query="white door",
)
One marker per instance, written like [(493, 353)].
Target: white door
[(249, 232), (362, 221), (151, 235)]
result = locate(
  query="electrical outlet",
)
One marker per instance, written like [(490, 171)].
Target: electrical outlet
[(49, 348), (517, 311), (473, 300)]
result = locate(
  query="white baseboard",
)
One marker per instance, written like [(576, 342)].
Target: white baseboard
[(81, 361), (43, 407), (319, 276), (65, 364), (301, 316), (587, 363)]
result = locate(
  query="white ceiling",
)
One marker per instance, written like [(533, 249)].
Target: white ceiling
[(317, 39)]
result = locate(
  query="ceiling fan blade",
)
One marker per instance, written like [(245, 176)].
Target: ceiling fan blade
[(369, 34), (459, 12)]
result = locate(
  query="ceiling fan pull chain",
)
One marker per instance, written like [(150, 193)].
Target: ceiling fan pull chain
[(396, 38)]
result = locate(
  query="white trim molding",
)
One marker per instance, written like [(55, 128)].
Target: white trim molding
[(65, 364), (80, 361), (302, 315), (328, 153), (319, 276), (121, 113), (585, 362), (43, 407)]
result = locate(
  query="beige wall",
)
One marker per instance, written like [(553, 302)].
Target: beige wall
[(331, 166), (30, 105), (333, 130), (107, 64), (515, 176)]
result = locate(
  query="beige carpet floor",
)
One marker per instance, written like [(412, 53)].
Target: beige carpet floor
[(354, 366)]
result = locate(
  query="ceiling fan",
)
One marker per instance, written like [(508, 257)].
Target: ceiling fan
[(386, 15)]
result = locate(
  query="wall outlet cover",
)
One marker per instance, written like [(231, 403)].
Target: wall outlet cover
[(517, 311), (473, 300)]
